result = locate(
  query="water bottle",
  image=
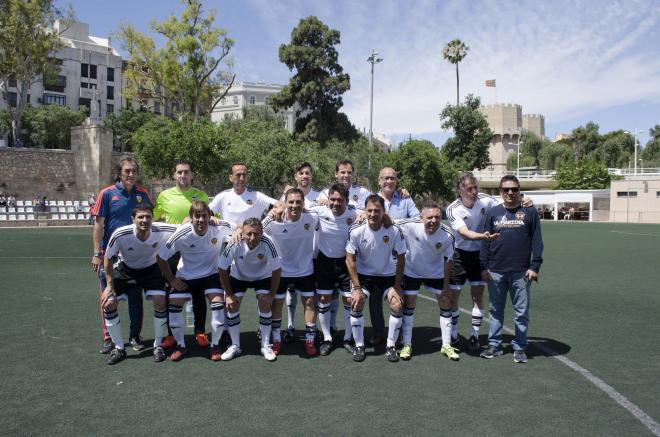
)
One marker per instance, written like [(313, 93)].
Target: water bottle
[(190, 317)]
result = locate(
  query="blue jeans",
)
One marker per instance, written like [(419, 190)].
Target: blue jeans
[(498, 288)]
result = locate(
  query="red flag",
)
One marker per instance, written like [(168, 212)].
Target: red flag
[(490, 82)]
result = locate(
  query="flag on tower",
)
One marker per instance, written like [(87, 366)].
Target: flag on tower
[(490, 82)]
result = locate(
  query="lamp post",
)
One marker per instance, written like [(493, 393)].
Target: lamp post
[(518, 153), (373, 59), (635, 132)]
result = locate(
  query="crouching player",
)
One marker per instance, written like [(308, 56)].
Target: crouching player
[(199, 246), (375, 257), (254, 264), (428, 261), (136, 247)]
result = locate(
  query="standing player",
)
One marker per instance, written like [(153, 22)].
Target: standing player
[(344, 172), (335, 220), (199, 246), (294, 241), (428, 262), (136, 246), (112, 210), (376, 258), (254, 264), (239, 203), (510, 264), (303, 174), (173, 205)]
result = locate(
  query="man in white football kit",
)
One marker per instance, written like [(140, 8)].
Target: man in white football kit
[(428, 261), (136, 246), (302, 174), (335, 220), (199, 245), (294, 240), (240, 202), (376, 258), (254, 264), (357, 194)]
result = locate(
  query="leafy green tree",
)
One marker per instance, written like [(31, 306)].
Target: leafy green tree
[(187, 70), (531, 146), (5, 122), (454, 52), (161, 141), (525, 161), (554, 154), (50, 126), (468, 148), (583, 174), (615, 146), (651, 152), (423, 170), (586, 138), (316, 87), (125, 123), (28, 37)]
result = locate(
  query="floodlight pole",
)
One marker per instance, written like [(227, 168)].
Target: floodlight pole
[(372, 60), (518, 169)]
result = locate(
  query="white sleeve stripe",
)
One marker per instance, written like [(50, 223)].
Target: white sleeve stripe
[(179, 234), (118, 234)]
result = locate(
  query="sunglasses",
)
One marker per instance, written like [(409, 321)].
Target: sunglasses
[(510, 190)]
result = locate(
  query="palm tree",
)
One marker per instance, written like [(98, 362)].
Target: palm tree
[(454, 52)]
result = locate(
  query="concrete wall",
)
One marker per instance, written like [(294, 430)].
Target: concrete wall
[(534, 123), (635, 201)]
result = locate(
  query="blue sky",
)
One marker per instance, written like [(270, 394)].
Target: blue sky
[(572, 61)]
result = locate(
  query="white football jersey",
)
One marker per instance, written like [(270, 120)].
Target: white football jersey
[(473, 218), (236, 208), (426, 253), (135, 253), (294, 242), (333, 230), (310, 198), (250, 264), (376, 251), (357, 194), (199, 253)]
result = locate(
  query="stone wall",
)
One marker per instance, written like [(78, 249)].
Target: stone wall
[(51, 173)]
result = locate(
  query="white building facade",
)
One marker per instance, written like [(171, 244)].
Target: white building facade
[(245, 94)]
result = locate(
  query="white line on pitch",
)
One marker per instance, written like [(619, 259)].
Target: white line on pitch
[(620, 399), (635, 233)]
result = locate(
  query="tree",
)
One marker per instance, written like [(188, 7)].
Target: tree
[(454, 52), (586, 139), (186, 71), (468, 148), (525, 161), (50, 126), (423, 170), (28, 38), (161, 141), (125, 123), (552, 155), (317, 85), (615, 148), (583, 174)]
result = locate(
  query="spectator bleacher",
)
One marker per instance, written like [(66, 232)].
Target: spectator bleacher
[(56, 211)]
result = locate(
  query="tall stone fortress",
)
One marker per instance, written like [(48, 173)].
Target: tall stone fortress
[(508, 123)]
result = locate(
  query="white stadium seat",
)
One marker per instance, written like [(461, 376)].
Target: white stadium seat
[(11, 217), (55, 216), (3, 217), (68, 203), (60, 203), (21, 217), (20, 203), (30, 216), (20, 209), (29, 209)]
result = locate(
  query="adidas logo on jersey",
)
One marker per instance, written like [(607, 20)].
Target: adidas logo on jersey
[(130, 248), (285, 231), (192, 245)]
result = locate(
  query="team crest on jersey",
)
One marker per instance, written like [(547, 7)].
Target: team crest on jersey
[(138, 198), (438, 246), (520, 215), (483, 211), (214, 241), (386, 239), (349, 221), (249, 201), (154, 245), (306, 226), (260, 256), (355, 197)]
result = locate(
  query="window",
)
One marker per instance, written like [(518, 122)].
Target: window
[(235, 100), (110, 76), (110, 92), (92, 71), (109, 108), (156, 107), (57, 86), (84, 70), (85, 102), (84, 85), (92, 86), (12, 99), (626, 194), (54, 99), (252, 100), (657, 194), (12, 82)]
